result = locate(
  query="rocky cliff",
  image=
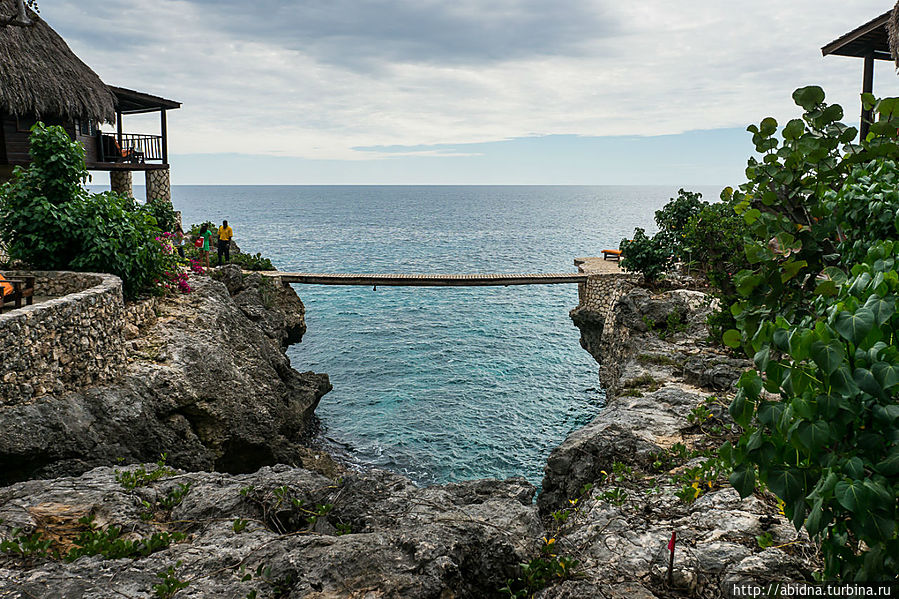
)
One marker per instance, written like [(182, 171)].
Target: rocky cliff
[(279, 532), (207, 383), (640, 471)]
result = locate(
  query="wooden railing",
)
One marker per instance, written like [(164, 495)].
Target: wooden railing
[(129, 147)]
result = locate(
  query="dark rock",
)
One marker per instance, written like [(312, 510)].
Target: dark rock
[(224, 397), (231, 275), (402, 542)]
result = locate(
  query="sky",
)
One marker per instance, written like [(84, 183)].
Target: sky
[(467, 91)]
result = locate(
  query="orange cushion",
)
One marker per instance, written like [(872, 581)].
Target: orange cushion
[(611, 252), (5, 288)]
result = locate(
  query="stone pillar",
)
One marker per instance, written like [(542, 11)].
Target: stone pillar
[(158, 187), (120, 182)]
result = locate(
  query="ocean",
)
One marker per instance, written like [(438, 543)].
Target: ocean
[(440, 384)]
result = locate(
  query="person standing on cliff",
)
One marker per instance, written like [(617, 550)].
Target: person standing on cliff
[(203, 242), (224, 244)]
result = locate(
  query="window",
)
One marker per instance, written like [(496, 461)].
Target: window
[(86, 128)]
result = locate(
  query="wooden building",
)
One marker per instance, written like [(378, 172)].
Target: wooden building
[(869, 42), (42, 79)]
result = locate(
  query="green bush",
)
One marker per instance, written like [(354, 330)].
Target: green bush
[(252, 262), (673, 220), (653, 256), (646, 255), (49, 221), (817, 314), (165, 215), (713, 239)]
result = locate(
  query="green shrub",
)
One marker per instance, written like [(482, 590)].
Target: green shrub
[(817, 314), (646, 255), (653, 256), (49, 221), (673, 219), (252, 262), (165, 215)]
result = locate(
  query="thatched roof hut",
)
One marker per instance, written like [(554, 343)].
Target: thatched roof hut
[(41, 76)]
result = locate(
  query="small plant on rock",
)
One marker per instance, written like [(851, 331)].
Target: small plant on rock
[(169, 586)]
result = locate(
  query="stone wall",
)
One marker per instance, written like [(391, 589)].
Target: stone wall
[(158, 186), (604, 287), (72, 340), (121, 183)]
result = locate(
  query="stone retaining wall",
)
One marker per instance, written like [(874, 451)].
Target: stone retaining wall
[(63, 343), (604, 287)]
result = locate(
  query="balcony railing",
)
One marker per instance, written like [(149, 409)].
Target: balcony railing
[(136, 148)]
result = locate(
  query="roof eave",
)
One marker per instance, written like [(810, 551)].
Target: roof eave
[(839, 46)]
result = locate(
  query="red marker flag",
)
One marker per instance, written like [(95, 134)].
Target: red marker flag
[(671, 542)]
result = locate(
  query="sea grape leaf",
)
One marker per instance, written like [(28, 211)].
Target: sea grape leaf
[(889, 466), (815, 435), (852, 495), (817, 518), (828, 356), (808, 97), (875, 527), (786, 483), (886, 374), (842, 382), (854, 326), (743, 480), (883, 308), (854, 467), (866, 381), (731, 338)]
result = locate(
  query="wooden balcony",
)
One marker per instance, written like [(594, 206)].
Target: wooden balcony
[(127, 151)]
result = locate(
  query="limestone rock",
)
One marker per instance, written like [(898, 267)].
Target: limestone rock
[(657, 368), (204, 384), (396, 540)]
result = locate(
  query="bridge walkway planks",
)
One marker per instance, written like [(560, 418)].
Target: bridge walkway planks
[(427, 280)]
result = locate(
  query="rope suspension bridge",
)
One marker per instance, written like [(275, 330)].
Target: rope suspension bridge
[(426, 280)]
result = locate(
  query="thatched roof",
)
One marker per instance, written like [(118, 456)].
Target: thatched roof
[(893, 29), (41, 76)]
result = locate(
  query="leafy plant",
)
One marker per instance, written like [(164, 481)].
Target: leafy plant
[(164, 214), (110, 544), (817, 313), (49, 221), (653, 256), (764, 540), (540, 572), (239, 525), (169, 586), (673, 220), (646, 255), (27, 545), (616, 496), (141, 477), (175, 496), (252, 261)]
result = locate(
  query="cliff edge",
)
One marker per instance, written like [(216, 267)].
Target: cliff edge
[(620, 486), (207, 382)]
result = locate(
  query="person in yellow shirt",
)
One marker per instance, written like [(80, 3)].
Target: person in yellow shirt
[(224, 244)]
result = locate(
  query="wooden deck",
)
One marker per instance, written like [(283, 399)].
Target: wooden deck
[(426, 280)]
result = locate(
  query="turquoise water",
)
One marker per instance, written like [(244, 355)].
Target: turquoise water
[(450, 383)]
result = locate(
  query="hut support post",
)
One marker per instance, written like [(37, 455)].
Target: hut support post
[(867, 88), (120, 182), (164, 132), (159, 188), (118, 127)]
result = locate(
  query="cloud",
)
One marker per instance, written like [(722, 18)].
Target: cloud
[(332, 80), (462, 32)]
